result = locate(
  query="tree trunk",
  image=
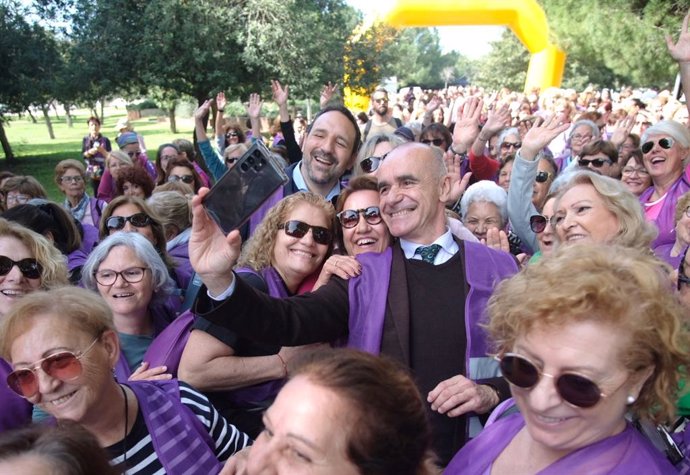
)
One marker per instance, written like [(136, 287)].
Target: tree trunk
[(171, 117), (102, 116), (49, 124), (308, 110), (33, 119), (9, 155), (68, 116), (54, 104)]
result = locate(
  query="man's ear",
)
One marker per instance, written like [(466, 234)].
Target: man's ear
[(444, 189)]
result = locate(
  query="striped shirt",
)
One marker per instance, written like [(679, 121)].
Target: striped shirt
[(141, 456)]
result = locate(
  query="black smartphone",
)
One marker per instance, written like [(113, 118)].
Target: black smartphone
[(244, 188)]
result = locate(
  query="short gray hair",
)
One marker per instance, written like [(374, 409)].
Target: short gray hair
[(172, 208), (594, 127), (504, 133), (162, 282), (488, 191), (675, 129)]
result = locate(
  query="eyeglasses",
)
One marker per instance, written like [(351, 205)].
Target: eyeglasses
[(349, 218), (595, 162), (29, 267), (138, 220), (131, 275), (19, 199), (133, 154), (537, 223), (507, 145), (168, 157), (299, 229), (579, 137), (183, 178), (381, 100), (573, 388), (232, 134), (665, 143), (72, 179), (65, 366), (231, 160), (371, 164), (436, 142), (542, 177)]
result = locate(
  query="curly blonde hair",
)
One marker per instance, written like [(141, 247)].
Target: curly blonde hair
[(619, 286), (635, 230), (53, 264), (258, 251)]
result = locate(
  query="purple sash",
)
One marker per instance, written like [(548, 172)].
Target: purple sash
[(258, 215), (622, 454), (665, 221), (180, 440), (15, 411), (97, 206)]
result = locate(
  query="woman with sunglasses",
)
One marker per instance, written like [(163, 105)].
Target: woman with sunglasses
[(165, 153), (28, 262), (181, 169), (127, 213), (242, 377), (372, 152), (541, 226), (578, 358), (62, 346), (666, 152), (601, 156), (133, 281)]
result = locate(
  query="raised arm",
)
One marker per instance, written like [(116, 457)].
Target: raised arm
[(220, 104), (280, 96), (327, 94), (467, 124), (497, 119), (680, 52), (254, 113)]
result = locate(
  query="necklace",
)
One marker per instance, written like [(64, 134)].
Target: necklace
[(124, 439)]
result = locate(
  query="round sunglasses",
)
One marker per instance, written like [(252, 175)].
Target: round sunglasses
[(349, 218), (371, 164), (665, 143), (573, 388), (188, 179), (64, 366), (595, 162), (29, 267), (542, 177), (138, 220), (299, 229)]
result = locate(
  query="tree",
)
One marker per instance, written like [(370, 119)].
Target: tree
[(505, 65)]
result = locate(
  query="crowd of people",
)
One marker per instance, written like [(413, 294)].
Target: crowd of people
[(456, 282)]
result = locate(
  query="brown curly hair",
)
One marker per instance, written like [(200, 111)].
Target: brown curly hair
[(619, 286), (258, 251)]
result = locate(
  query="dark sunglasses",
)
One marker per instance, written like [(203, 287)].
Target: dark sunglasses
[(133, 154), (138, 220), (349, 218), (682, 279), (542, 177), (64, 366), (537, 223), (573, 388), (515, 145), (595, 162), (299, 229), (232, 134), (664, 143), (231, 160), (436, 142), (371, 164), (30, 268), (183, 178), (381, 100)]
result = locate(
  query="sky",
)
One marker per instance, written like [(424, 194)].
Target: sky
[(471, 41)]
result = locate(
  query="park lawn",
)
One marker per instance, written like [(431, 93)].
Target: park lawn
[(36, 154)]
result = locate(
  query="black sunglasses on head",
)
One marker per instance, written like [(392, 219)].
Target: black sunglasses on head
[(29, 267), (573, 388), (665, 143), (299, 229), (139, 220), (349, 218), (595, 162)]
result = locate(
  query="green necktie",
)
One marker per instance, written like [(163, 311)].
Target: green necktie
[(428, 253)]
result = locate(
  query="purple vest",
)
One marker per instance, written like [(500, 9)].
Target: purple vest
[(15, 411), (622, 454), (484, 268), (665, 221), (180, 440)]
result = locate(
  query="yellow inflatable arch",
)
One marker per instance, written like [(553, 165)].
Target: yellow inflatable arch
[(524, 17)]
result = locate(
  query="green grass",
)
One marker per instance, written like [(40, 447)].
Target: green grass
[(37, 154)]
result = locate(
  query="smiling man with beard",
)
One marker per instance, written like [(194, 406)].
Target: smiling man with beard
[(382, 122), (329, 150), (420, 301)]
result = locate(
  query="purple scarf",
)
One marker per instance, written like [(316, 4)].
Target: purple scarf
[(665, 221), (181, 442), (622, 454)]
